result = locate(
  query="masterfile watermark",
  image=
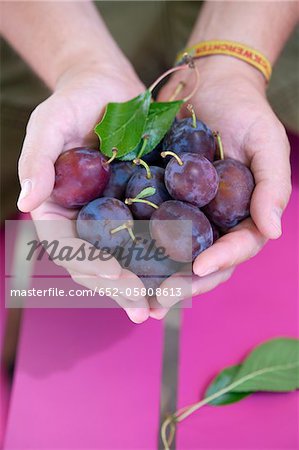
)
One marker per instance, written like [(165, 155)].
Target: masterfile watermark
[(55, 252), (47, 265)]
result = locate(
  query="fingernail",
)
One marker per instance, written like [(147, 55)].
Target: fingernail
[(109, 276), (276, 220), (158, 314), (137, 315), (132, 298), (26, 189), (207, 271), (195, 287), (167, 302)]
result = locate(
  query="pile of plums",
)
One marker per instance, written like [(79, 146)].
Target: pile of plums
[(184, 180)]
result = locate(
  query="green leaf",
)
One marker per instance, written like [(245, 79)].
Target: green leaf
[(123, 125), (272, 366), (146, 192), (222, 380), (159, 120)]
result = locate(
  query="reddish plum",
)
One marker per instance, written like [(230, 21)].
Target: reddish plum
[(191, 178), (81, 175), (232, 201)]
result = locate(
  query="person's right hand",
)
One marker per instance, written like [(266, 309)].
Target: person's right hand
[(66, 120), (231, 99)]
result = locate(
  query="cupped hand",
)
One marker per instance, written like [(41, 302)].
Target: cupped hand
[(66, 120), (231, 99)]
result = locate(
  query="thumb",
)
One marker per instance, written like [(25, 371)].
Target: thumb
[(271, 168), (42, 145)]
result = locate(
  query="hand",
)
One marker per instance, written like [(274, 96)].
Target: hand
[(66, 120), (231, 99)]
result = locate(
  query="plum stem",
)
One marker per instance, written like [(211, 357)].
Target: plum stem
[(129, 201), (168, 153), (144, 143), (167, 440), (132, 236), (219, 144), (180, 86), (140, 162), (187, 63), (193, 66), (194, 119), (186, 411), (114, 154), (165, 74), (125, 226)]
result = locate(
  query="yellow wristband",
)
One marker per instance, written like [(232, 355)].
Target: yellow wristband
[(240, 51)]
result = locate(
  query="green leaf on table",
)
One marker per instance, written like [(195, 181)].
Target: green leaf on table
[(272, 366), (146, 192), (122, 125), (222, 380), (159, 120)]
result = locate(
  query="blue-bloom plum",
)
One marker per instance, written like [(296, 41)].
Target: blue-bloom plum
[(106, 223), (121, 172), (183, 241), (184, 137), (137, 183)]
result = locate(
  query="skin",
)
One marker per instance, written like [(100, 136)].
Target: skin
[(84, 76)]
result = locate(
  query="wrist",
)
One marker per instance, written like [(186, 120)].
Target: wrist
[(225, 70)]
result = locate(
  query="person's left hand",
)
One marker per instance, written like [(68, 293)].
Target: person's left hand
[(231, 99)]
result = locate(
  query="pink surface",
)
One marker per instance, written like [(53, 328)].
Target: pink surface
[(86, 379), (259, 302), (89, 379)]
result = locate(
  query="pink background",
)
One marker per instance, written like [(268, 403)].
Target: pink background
[(260, 301), (90, 379)]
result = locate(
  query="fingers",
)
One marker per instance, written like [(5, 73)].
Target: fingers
[(43, 143), (174, 289), (242, 243), (271, 168), (156, 310), (58, 238), (195, 284), (136, 307), (88, 268), (137, 314), (107, 267), (206, 284), (118, 288), (212, 267), (130, 286)]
